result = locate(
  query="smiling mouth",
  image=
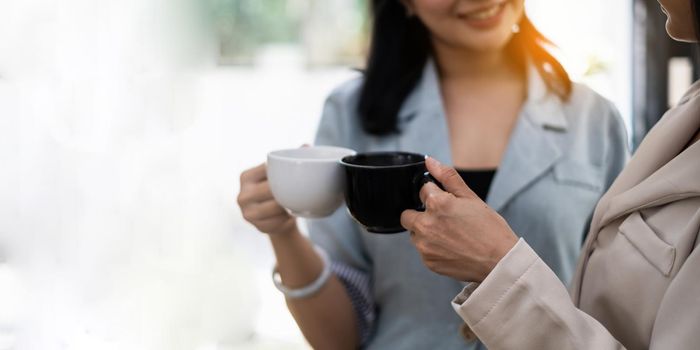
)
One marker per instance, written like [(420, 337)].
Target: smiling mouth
[(485, 13)]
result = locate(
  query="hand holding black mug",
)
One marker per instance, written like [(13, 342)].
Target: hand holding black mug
[(458, 235)]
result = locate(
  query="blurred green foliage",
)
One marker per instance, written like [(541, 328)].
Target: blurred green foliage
[(242, 25)]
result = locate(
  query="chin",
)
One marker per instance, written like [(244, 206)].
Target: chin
[(486, 44), (680, 34), (490, 47)]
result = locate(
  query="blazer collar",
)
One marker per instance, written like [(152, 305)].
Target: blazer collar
[(661, 170), (545, 108)]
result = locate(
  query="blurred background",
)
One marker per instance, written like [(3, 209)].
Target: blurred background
[(124, 127)]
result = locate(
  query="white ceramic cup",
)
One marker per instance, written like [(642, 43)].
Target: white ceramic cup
[(308, 181)]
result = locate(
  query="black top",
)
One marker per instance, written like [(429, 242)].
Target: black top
[(478, 180)]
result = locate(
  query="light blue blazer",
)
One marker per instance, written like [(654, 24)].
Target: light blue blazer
[(561, 158)]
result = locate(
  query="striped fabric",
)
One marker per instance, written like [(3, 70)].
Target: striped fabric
[(357, 284)]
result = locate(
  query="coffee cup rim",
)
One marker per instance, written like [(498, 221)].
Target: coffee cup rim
[(343, 152), (344, 162)]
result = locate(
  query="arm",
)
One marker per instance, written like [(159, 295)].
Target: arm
[(522, 291), (525, 301), (327, 319)]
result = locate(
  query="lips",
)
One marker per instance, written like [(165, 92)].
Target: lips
[(484, 13), (485, 17)]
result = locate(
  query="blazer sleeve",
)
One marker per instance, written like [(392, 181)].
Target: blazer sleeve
[(523, 305), (617, 152), (338, 234), (330, 128), (338, 125)]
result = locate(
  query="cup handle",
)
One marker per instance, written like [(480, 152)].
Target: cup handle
[(424, 179)]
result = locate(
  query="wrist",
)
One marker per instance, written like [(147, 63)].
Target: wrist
[(310, 288), (499, 253), (289, 228), (286, 235)]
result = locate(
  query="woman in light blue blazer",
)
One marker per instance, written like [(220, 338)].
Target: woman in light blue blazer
[(470, 83)]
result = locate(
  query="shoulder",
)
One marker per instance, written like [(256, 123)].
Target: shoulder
[(341, 104), (587, 105), (347, 93), (339, 124), (589, 113), (595, 131)]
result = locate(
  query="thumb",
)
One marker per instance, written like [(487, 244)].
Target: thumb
[(449, 178)]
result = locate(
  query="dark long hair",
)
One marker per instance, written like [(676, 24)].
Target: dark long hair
[(400, 47)]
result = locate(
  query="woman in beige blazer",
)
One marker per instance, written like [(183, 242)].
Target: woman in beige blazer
[(637, 284)]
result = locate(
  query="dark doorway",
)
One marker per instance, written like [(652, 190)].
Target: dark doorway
[(652, 51)]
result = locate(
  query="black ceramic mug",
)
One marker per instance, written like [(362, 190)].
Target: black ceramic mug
[(380, 186)]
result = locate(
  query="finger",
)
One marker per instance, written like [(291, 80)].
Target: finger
[(264, 211), (430, 190), (408, 219), (254, 175), (449, 178), (255, 193)]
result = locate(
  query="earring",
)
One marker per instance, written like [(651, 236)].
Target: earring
[(515, 29)]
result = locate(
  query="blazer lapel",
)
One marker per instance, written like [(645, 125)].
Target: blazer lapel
[(660, 172), (665, 173), (533, 148)]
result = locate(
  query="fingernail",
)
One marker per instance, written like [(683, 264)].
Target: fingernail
[(433, 160)]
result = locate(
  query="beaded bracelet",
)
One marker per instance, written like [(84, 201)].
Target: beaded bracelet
[(310, 289)]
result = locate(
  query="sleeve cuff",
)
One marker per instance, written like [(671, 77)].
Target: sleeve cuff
[(475, 301), (357, 284)]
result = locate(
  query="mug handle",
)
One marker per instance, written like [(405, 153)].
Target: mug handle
[(424, 179)]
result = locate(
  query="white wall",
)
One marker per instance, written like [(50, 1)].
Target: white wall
[(120, 154)]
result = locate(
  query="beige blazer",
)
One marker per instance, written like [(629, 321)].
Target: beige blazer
[(637, 284)]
